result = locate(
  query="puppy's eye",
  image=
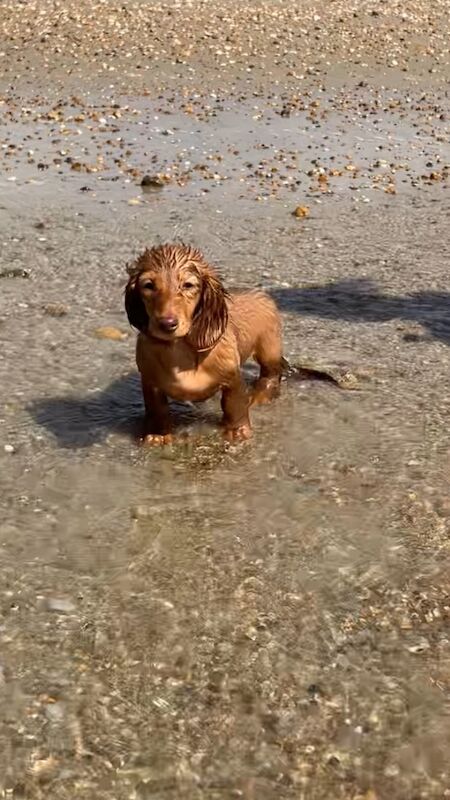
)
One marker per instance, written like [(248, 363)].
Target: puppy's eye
[(150, 285), (189, 285)]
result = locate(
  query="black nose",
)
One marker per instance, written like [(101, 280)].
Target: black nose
[(168, 324)]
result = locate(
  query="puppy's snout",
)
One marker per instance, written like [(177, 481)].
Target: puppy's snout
[(168, 324)]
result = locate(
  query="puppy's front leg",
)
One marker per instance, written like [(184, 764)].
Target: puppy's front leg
[(157, 417), (235, 403)]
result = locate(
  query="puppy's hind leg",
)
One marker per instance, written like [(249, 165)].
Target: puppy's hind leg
[(269, 355)]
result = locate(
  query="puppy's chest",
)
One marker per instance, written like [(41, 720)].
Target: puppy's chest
[(189, 383), (177, 371)]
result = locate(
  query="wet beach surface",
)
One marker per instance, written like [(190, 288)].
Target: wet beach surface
[(213, 622)]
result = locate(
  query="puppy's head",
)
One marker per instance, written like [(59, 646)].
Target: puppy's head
[(173, 293)]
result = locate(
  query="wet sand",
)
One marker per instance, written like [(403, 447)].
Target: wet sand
[(206, 622)]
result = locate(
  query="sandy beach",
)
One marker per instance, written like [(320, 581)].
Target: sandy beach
[(271, 621)]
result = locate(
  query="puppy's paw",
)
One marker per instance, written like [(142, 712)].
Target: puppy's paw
[(262, 398), (240, 434), (264, 392), (157, 439)]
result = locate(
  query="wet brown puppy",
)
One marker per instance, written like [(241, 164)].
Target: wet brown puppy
[(194, 337)]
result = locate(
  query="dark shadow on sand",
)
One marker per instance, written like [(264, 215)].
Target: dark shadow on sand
[(78, 422), (359, 300)]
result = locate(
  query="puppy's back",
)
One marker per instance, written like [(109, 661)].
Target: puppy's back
[(253, 315)]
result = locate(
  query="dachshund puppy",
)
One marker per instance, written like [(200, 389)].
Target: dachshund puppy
[(194, 337)]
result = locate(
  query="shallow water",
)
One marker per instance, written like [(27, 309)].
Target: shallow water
[(263, 621)]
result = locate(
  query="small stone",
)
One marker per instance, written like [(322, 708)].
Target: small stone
[(141, 512), (347, 381), (342, 661), (59, 605), (314, 691), (8, 448), (43, 766), (420, 647), (55, 309), (101, 642), (14, 272), (152, 182), (443, 506), (391, 771), (301, 211), (108, 332), (55, 712)]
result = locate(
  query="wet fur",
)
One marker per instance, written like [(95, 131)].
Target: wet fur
[(216, 334)]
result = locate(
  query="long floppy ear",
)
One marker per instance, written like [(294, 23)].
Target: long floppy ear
[(211, 314), (134, 305)]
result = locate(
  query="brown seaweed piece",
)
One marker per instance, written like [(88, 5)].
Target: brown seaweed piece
[(337, 375)]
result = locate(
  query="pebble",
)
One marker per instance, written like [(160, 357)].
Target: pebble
[(152, 182), (56, 309), (420, 647), (59, 605), (108, 332), (14, 272), (301, 211), (55, 712), (43, 767), (442, 506)]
